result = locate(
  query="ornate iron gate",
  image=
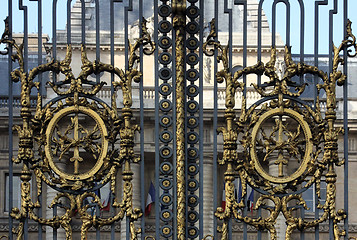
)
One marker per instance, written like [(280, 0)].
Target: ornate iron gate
[(133, 92)]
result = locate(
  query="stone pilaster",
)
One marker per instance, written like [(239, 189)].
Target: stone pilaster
[(50, 195), (280, 222), (136, 198), (208, 211)]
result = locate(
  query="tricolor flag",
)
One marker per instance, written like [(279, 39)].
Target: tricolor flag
[(250, 194), (250, 201), (237, 189), (150, 200), (106, 202)]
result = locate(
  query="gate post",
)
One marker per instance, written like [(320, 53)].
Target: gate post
[(179, 21)]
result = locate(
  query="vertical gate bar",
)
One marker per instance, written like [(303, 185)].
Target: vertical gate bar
[(302, 210), (287, 25), (273, 23), (345, 121), (245, 19), (201, 234), (54, 212), (174, 162), (215, 121), (157, 157), (317, 212), (259, 237), (25, 50), (185, 154), (141, 99), (39, 41), (302, 30), (179, 19), (316, 50), (230, 30), (69, 25), (331, 12), (97, 57), (97, 212), (40, 79), (97, 36), (259, 42), (10, 109), (25, 40), (302, 35), (111, 22), (54, 36), (230, 19), (302, 54), (316, 80), (126, 40), (83, 16)]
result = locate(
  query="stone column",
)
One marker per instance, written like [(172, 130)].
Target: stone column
[(50, 195), (61, 235), (208, 211), (135, 168), (280, 221)]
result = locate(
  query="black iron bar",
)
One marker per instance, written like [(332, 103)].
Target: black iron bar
[(111, 23), (215, 125), (54, 35), (316, 81), (331, 13), (142, 152), (201, 177), (11, 119), (83, 21), (69, 23), (157, 127), (345, 123), (259, 41), (25, 56), (97, 36), (230, 59), (40, 79)]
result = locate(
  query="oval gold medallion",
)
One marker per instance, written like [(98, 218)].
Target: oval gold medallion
[(74, 150), (287, 141)]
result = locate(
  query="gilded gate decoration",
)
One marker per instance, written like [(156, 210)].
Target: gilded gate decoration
[(313, 136), (96, 139), (51, 127)]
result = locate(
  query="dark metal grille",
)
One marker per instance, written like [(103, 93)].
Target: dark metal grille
[(182, 119)]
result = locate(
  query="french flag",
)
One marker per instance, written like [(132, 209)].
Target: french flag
[(250, 201), (150, 200), (106, 202), (250, 194)]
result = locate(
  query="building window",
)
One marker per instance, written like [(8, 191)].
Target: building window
[(16, 192), (311, 198), (352, 144), (207, 135)]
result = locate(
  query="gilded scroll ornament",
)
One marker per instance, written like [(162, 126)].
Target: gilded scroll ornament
[(72, 129), (297, 133)]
